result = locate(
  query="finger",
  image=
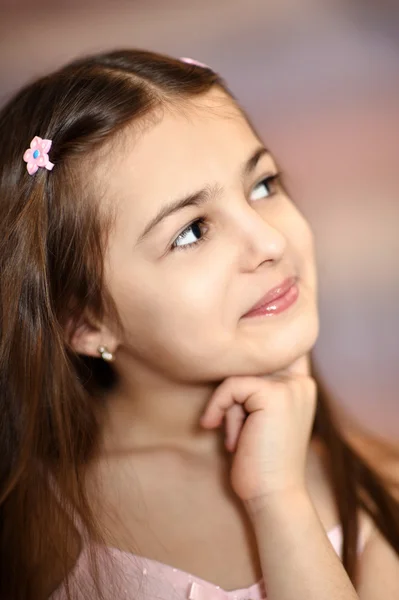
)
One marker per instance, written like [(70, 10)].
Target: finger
[(235, 418), (247, 391)]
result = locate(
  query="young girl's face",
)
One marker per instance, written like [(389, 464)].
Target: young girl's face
[(201, 235)]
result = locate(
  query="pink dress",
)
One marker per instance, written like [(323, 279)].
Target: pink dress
[(130, 577)]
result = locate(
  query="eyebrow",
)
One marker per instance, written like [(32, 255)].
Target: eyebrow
[(202, 196)]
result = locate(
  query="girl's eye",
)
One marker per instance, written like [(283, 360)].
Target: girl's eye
[(266, 187), (192, 235)]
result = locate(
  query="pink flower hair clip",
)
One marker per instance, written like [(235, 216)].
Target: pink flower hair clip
[(37, 155), (191, 61)]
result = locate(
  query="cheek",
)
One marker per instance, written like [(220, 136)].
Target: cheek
[(196, 289), (182, 300), (304, 253), (305, 242), (299, 235)]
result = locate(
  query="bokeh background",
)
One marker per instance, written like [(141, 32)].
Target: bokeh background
[(321, 82)]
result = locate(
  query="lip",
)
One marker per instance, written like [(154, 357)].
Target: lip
[(276, 300)]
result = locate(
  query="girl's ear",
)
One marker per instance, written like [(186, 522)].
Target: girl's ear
[(85, 338)]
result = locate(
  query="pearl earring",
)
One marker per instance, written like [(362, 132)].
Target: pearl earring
[(105, 354)]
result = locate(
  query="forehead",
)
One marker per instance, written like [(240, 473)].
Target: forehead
[(203, 141)]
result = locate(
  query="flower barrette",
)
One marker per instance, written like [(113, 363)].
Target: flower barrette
[(191, 61), (37, 155)]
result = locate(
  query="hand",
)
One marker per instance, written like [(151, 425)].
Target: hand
[(268, 422)]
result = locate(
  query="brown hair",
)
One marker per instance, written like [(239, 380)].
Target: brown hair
[(52, 241)]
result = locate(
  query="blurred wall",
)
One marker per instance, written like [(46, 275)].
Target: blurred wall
[(321, 81)]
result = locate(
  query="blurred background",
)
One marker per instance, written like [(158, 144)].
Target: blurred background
[(321, 82)]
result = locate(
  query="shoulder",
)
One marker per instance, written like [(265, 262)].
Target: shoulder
[(322, 493), (53, 575), (378, 569)]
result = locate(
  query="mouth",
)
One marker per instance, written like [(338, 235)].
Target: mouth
[(276, 300)]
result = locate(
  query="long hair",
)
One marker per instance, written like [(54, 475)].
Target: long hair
[(52, 244)]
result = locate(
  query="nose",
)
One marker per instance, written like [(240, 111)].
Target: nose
[(261, 241)]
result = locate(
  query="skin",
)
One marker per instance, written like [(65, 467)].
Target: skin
[(195, 297), (172, 486)]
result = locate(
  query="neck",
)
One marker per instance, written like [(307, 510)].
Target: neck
[(150, 411)]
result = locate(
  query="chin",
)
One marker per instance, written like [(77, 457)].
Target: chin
[(284, 346)]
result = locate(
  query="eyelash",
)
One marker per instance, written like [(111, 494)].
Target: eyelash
[(270, 179), (203, 238)]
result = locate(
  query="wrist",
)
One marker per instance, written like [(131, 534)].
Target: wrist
[(285, 502)]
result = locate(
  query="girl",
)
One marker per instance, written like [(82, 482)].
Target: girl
[(162, 434)]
